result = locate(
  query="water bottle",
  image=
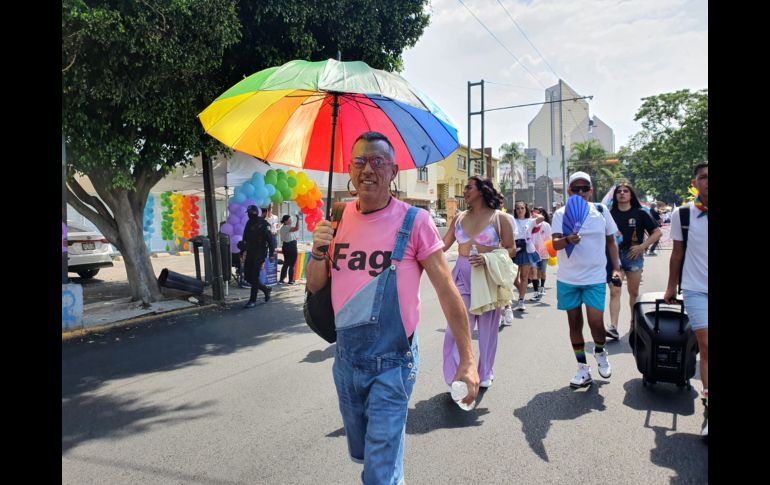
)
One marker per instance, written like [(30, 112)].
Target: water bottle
[(474, 250), (459, 391)]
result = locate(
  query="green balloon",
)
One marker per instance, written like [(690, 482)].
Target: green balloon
[(277, 197), (286, 193), (291, 182), (281, 175), (281, 185), (271, 178)]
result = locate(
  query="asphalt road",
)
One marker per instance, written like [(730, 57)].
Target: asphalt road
[(237, 396)]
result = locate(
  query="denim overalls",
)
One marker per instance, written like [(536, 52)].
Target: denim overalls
[(375, 368)]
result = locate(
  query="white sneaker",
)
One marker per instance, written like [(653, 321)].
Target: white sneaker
[(705, 431), (486, 382), (507, 317), (520, 306), (582, 378), (605, 370), (535, 297), (542, 291)]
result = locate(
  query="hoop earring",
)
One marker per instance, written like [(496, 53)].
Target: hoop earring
[(352, 193), (393, 192)]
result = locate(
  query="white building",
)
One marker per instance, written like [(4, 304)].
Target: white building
[(568, 122)]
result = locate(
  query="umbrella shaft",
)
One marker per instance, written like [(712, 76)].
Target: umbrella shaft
[(335, 110)]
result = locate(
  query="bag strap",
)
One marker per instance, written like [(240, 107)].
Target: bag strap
[(402, 237), (684, 219), (498, 228)]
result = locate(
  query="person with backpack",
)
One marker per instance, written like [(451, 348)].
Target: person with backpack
[(373, 265), (689, 268), (257, 242), (581, 275), (633, 222)]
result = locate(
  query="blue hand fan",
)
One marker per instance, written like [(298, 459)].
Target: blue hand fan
[(575, 214)]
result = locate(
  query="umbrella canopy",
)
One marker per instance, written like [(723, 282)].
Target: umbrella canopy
[(285, 115)]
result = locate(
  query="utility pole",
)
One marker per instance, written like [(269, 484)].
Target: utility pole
[(561, 131), (553, 144)]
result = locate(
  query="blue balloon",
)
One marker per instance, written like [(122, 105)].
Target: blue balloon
[(239, 198), (261, 193), (247, 189), (270, 189)]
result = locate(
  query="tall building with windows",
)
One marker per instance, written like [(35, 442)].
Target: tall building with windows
[(568, 122)]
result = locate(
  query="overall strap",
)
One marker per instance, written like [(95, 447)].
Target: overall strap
[(402, 237)]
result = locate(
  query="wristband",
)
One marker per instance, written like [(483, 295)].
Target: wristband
[(317, 258)]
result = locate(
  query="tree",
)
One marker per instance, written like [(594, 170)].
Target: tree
[(590, 157), (135, 75), (513, 161), (674, 139)]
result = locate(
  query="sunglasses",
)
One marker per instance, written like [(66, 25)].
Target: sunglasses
[(375, 162), (581, 188)]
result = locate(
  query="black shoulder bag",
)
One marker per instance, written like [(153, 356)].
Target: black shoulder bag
[(318, 310)]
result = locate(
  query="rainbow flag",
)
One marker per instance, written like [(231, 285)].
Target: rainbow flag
[(299, 269)]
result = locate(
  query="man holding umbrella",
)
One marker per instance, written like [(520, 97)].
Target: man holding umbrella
[(581, 274), (375, 262)]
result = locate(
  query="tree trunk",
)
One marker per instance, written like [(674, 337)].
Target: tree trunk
[(123, 228), (141, 276)]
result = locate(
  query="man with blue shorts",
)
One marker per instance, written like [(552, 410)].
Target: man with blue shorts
[(694, 273), (580, 277)]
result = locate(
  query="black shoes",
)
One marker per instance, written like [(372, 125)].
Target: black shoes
[(251, 304), (267, 294)]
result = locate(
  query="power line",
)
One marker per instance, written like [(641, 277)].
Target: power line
[(527, 38), (501, 44)]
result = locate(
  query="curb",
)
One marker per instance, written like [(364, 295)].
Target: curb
[(82, 332)]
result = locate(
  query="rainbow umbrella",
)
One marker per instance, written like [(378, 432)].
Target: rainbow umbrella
[(302, 112)]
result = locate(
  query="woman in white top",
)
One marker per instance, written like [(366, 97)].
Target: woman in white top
[(289, 247), (540, 234), (526, 255)]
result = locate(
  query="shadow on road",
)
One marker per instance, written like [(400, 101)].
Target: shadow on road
[(440, 412), (175, 342), (685, 453), (560, 405), (315, 356)]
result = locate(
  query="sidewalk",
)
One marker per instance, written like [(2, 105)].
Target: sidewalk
[(107, 299)]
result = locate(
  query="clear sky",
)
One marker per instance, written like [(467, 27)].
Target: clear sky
[(619, 51)]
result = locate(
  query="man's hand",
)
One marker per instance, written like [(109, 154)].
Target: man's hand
[(670, 295), (467, 373), (573, 238), (323, 235)]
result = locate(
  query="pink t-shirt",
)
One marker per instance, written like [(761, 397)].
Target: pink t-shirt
[(362, 249)]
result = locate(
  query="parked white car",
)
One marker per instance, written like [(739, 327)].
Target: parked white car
[(440, 221), (87, 251)]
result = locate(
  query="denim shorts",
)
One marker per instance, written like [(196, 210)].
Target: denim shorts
[(569, 297), (527, 259), (542, 265), (696, 304), (627, 264)]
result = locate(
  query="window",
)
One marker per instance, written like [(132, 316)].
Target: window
[(477, 167), (461, 163), (422, 174)]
